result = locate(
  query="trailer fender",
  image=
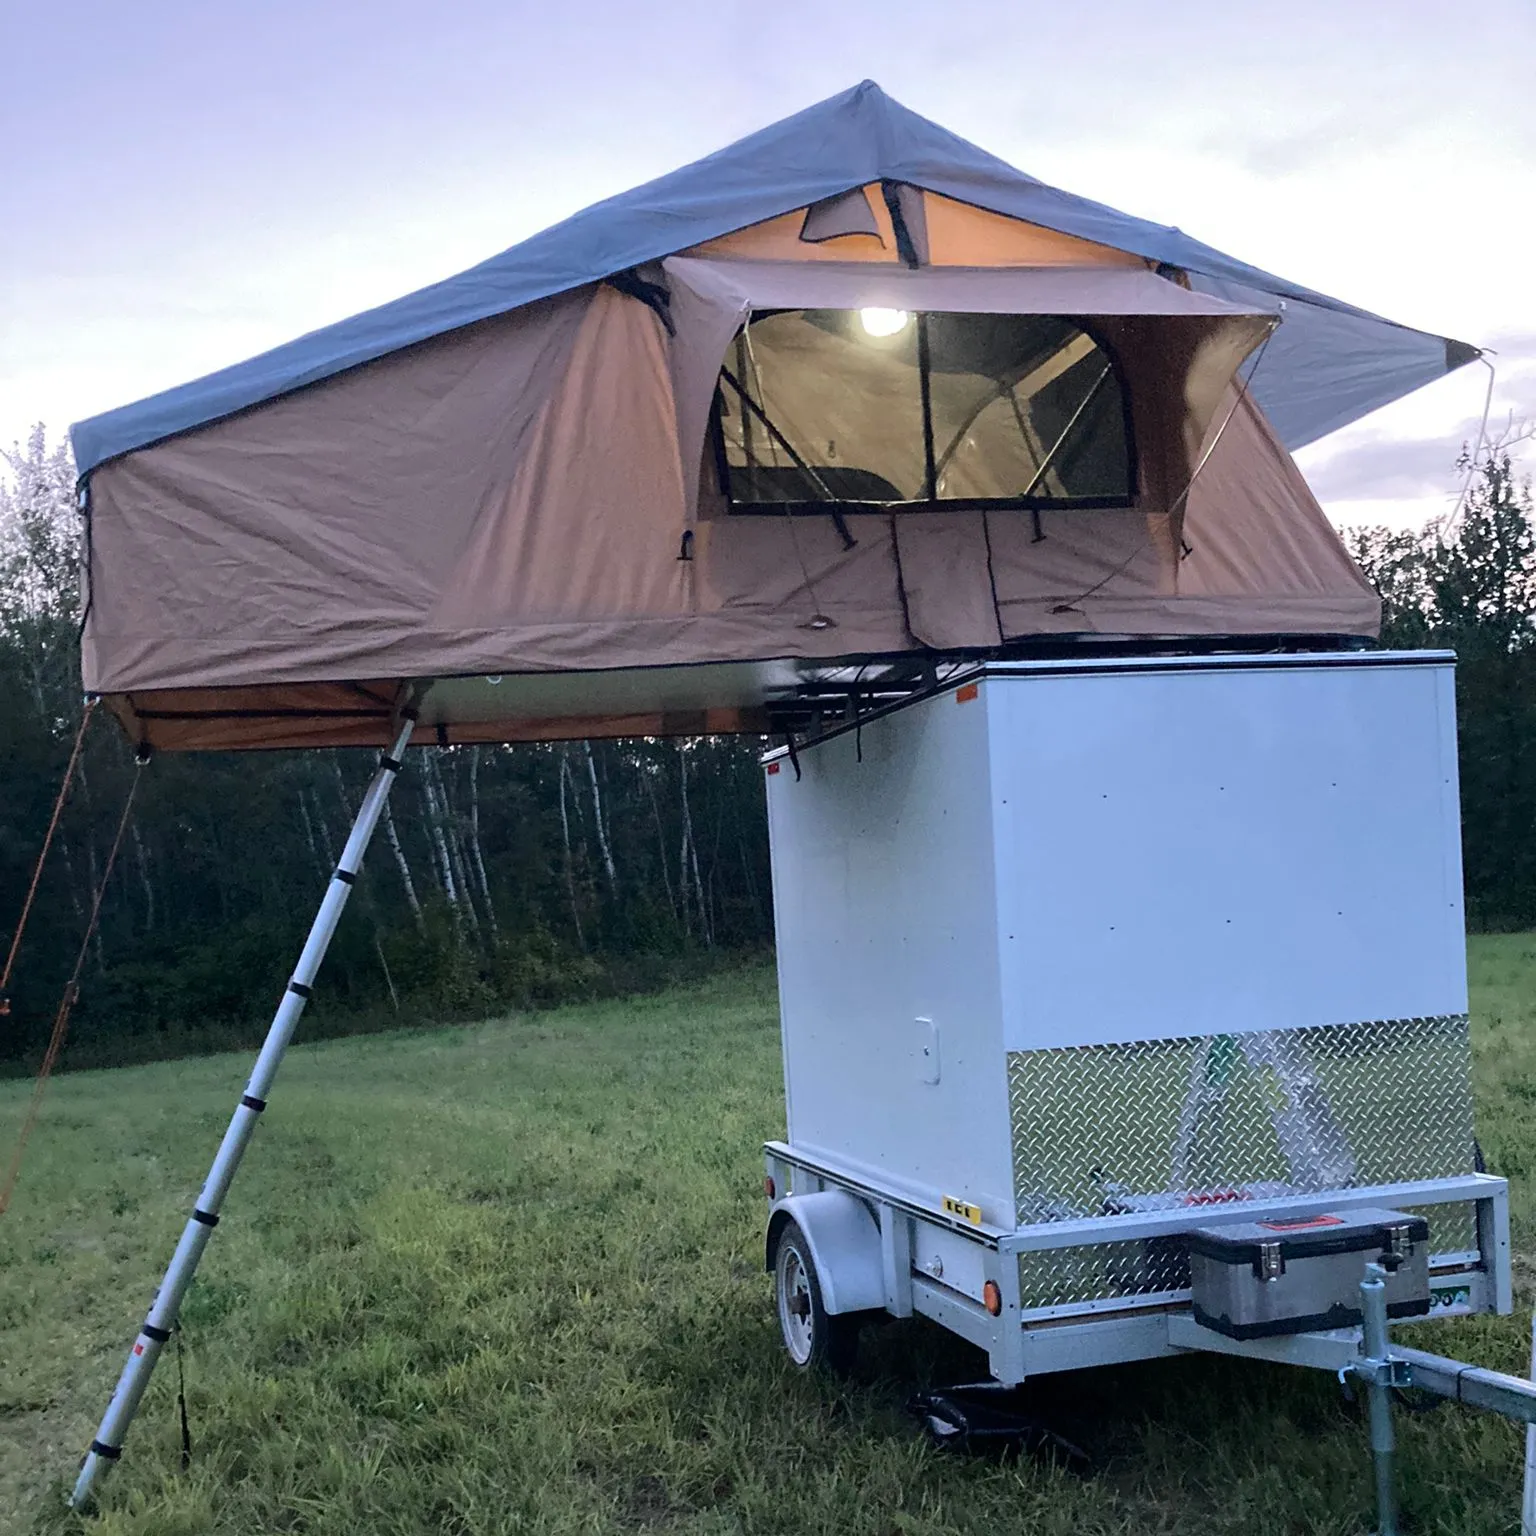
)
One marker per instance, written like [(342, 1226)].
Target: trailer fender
[(845, 1247)]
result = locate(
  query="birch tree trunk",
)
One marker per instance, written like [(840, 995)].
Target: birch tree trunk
[(602, 831), (565, 835), (144, 880), (749, 880), (440, 850), (685, 843), (365, 893), (327, 846), (474, 836), (449, 824), (661, 834), (706, 929), (403, 865), (389, 980), (309, 829), (69, 879)]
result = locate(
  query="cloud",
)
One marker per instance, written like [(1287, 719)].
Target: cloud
[(1514, 355), (1389, 469), (1290, 153), (1382, 468), (1291, 133)]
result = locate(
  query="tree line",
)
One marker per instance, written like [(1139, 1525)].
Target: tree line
[(1468, 584), (525, 875)]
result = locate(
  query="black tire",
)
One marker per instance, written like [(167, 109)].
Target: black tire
[(813, 1338)]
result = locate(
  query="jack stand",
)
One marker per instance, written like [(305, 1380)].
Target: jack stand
[(1528, 1491), (1381, 1372)]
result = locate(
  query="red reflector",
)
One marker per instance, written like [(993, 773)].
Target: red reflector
[(773, 767), (992, 1298), (769, 1188), (966, 694)]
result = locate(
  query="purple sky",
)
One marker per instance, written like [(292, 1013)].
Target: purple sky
[(187, 184)]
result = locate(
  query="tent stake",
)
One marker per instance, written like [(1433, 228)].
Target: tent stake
[(108, 1444)]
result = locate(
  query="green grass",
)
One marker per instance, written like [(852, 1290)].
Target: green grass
[(508, 1278)]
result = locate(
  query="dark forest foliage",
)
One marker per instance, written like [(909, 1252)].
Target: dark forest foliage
[(1470, 587), (517, 876)]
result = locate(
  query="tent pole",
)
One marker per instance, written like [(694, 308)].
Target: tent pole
[(107, 1446)]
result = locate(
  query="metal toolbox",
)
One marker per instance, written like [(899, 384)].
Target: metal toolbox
[(1257, 1278)]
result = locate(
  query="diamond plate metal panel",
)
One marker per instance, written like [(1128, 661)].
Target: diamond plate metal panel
[(1109, 1129), (1452, 1228)]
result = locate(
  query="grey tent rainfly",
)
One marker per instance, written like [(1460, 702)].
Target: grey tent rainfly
[(842, 402), (495, 477)]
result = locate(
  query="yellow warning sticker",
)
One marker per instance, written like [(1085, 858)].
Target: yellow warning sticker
[(963, 1209)]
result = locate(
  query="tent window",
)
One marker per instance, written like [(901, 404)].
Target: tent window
[(882, 409)]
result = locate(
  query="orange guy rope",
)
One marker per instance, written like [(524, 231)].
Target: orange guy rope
[(66, 1004), (37, 872)]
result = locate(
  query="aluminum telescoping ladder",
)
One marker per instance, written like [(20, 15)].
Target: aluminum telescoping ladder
[(156, 1331)]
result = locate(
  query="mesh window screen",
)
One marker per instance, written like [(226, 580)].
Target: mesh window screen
[(885, 408)]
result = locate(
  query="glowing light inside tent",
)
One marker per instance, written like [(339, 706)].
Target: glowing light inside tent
[(883, 322)]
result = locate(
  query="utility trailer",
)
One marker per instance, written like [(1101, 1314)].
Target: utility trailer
[(1075, 959), (1088, 966)]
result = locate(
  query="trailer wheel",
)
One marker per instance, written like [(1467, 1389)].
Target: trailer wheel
[(813, 1337)]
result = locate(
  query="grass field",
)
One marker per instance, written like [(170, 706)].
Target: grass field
[(507, 1278)]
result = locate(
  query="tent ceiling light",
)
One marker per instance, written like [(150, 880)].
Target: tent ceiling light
[(884, 322)]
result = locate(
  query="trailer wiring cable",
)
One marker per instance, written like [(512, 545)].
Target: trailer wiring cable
[(67, 1000)]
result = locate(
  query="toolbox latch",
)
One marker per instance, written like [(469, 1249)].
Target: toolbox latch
[(1398, 1245), (1270, 1264)]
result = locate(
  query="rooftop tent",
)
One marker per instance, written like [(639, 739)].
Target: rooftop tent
[(850, 390)]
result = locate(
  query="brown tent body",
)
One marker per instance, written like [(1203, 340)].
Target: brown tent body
[(528, 510)]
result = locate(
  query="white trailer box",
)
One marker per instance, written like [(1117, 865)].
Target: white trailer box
[(1069, 942)]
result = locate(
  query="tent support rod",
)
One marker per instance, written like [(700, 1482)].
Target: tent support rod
[(158, 1326)]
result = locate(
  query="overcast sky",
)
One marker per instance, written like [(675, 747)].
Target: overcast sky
[(189, 183)]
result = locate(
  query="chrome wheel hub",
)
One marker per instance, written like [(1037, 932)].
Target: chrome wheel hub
[(795, 1319)]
